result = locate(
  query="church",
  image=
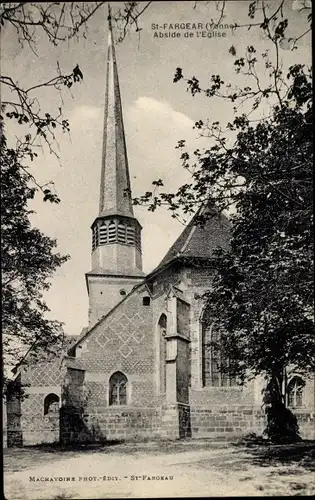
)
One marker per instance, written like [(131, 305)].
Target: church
[(143, 367)]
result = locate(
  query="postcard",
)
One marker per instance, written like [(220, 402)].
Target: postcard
[(156, 173)]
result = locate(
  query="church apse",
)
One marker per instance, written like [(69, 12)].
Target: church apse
[(144, 365)]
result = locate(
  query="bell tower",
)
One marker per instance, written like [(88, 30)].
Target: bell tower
[(116, 233)]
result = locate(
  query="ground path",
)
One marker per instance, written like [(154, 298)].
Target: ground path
[(190, 469)]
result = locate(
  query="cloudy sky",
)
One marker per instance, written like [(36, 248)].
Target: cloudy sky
[(157, 113)]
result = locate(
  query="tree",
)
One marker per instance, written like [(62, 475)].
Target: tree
[(28, 262), (259, 166)]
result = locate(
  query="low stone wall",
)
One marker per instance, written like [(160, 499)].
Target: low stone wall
[(169, 425), (222, 396), (222, 420), (40, 429), (168, 422), (112, 424)]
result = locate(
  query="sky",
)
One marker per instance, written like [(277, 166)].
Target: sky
[(157, 114)]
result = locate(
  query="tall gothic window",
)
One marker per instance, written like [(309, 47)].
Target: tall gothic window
[(295, 392), (51, 404), (213, 363), (118, 389), (162, 338)]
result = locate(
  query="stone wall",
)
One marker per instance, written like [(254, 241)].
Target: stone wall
[(216, 396), (27, 423), (118, 423), (124, 341), (14, 428), (40, 429), (36, 426), (73, 422), (175, 421), (207, 421), (184, 420), (239, 420), (106, 292)]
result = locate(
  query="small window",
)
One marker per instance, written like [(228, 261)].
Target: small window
[(295, 392), (122, 293), (118, 389), (51, 404), (146, 301)]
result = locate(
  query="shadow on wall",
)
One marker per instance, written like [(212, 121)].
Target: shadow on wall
[(75, 427)]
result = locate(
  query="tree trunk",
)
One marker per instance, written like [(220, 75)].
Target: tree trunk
[(282, 426)]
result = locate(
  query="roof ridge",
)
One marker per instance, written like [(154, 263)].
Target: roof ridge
[(89, 330)]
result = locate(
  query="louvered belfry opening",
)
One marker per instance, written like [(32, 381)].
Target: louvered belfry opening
[(125, 231)]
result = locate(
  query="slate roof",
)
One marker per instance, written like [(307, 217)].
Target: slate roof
[(57, 351), (196, 241), (115, 191)]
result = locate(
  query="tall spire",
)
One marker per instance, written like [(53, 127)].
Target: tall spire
[(115, 192), (116, 233)]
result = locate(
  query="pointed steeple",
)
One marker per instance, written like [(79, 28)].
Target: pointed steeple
[(116, 233), (115, 192)]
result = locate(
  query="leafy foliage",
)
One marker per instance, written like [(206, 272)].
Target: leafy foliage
[(28, 262)]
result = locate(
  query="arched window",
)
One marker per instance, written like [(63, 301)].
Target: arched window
[(213, 364), (295, 392), (162, 325), (118, 389), (51, 404)]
